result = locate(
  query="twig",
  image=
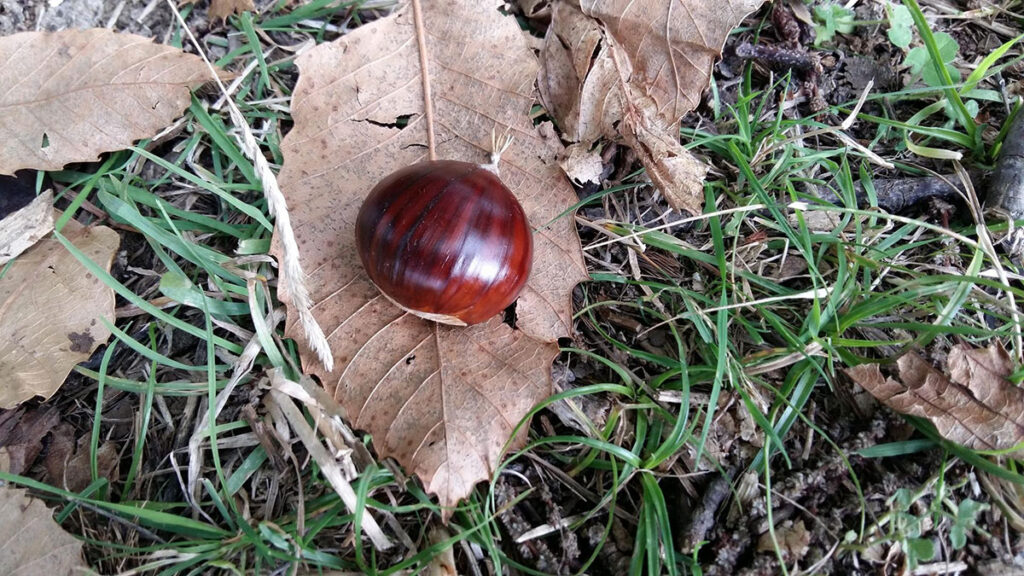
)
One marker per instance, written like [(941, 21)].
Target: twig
[(291, 268), (428, 101)]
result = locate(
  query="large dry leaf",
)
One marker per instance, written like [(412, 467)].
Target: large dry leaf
[(442, 400), (629, 70), (31, 542), (974, 405), (69, 96), (50, 310)]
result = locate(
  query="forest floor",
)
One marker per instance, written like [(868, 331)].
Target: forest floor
[(779, 462)]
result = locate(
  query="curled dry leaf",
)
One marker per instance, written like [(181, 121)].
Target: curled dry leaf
[(31, 542), (629, 70), (441, 400), (71, 95), (974, 404), (50, 310)]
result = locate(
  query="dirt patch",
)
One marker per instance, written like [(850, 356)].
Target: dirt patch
[(133, 16)]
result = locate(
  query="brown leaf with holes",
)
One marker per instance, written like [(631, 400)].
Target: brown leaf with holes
[(442, 400), (50, 312), (973, 403), (31, 542), (71, 95), (629, 70)]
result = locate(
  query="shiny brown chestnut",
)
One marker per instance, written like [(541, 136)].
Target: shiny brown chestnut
[(445, 240)]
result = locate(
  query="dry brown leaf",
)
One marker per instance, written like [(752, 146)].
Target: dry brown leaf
[(21, 436), (31, 542), (221, 9), (69, 465), (793, 541), (629, 70), (582, 166), (975, 405), (441, 400), (50, 310), (71, 95)]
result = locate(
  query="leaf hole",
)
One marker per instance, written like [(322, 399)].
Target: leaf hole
[(410, 359), (510, 317), (400, 121), (45, 142)]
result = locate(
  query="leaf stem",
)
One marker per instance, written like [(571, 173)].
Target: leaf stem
[(428, 102)]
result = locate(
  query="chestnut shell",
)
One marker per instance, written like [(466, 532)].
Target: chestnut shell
[(445, 240)]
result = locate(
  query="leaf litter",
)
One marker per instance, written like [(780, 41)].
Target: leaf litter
[(72, 95), (31, 542), (972, 402), (798, 491), (628, 71), (221, 9), (53, 312), (443, 401)]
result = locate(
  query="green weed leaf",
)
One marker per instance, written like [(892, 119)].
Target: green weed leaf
[(832, 18), (901, 25)]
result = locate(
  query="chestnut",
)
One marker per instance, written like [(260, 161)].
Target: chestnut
[(445, 240)]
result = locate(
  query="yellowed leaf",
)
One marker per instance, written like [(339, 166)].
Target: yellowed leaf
[(629, 70), (71, 95), (973, 403), (50, 311), (31, 542), (441, 400)]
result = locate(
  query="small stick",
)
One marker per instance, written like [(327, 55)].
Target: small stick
[(428, 101)]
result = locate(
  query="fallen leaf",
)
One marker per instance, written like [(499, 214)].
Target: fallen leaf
[(68, 462), (629, 70), (974, 405), (50, 310), (31, 542), (221, 9), (21, 229), (21, 436), (793, 540), (582, 166), (72, 95), (442, 400)]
